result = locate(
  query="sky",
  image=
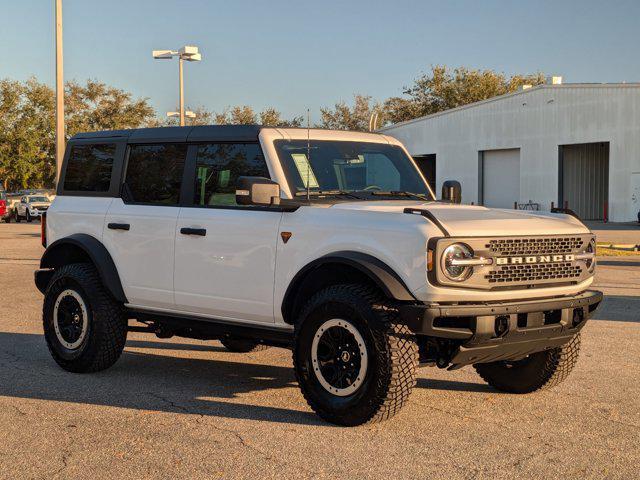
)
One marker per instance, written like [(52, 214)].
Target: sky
[(295, 55)]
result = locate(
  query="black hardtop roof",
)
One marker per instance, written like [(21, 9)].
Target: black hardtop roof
[(200, 133)]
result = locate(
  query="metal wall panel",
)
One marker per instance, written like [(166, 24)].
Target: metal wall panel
[(584, 180)]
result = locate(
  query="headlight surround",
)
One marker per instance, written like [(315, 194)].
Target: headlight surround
[(457, 251)]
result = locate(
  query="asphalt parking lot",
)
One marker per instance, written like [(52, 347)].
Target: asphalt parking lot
[(188, 409)]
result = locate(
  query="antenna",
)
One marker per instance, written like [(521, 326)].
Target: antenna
[(308, 153)]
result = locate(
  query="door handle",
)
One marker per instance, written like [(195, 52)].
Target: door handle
[(193, 231), (119, 226)]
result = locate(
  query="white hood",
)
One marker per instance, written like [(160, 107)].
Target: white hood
[(476, 221)]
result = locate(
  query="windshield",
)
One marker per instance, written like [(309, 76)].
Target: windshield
[(339, 167), (37, 199)]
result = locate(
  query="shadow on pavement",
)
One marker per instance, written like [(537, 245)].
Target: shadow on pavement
[(155, 382), (618, 308), (621, 263)]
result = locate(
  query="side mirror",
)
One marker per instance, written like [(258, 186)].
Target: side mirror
[(452, 191), (257, 191)]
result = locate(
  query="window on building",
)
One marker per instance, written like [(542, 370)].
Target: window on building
[(218, 166), (154, 174), (89, 168)]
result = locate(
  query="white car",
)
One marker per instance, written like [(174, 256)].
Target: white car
[(330, 243), (31, 207)]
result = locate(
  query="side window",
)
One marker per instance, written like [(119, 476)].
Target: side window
[(218, 166), (154, 173), (89, 168)]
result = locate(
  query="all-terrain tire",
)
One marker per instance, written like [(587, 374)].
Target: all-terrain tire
[(392, 354), (242, 345), (538, 371), (106, 334)]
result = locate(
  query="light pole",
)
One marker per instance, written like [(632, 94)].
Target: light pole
[(59, 93), (188, 53)]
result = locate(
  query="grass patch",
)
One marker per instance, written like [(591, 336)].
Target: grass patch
[(610, 252)]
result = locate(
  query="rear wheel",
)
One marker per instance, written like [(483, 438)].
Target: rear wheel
[(241, 345), (538, 371), (85, 328), (353, 362)]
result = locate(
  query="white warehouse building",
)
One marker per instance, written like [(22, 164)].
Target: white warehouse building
[(576, 145)]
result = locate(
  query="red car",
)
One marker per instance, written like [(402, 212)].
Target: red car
[(4, 213)]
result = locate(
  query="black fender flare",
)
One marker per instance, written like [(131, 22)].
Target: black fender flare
[(376, 270), (65, 251)]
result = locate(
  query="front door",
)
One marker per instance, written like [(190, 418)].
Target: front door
[(225, 253), (140, 227)]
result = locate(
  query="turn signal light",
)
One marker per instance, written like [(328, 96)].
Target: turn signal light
[(429, 260), (43, 229)]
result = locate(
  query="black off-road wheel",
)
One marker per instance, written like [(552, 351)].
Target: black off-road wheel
[(242, 345), (538, 371), (85, 328), (353, 361)]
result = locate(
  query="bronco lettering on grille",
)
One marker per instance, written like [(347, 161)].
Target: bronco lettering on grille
[(535, 259)]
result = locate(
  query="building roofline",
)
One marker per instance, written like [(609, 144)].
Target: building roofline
[(509, 95)]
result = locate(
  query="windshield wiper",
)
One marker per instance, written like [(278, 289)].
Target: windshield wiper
[(316, 193), (398, 193)]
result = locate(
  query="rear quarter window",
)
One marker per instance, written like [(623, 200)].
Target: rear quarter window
[(89, 168)]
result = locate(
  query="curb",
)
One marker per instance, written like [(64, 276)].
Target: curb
[(626, 247)]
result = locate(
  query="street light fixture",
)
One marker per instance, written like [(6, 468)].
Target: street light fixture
[(188, 53), (188, 114)]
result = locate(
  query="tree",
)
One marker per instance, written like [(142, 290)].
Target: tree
[(443, 89), (97, 106), (345, 117), (27, 124), (245, 115)]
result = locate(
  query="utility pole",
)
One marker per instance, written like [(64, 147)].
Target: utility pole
[(181, 92), (60, 140)]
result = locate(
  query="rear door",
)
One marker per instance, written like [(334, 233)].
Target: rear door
[(140, 226), (225, 253)]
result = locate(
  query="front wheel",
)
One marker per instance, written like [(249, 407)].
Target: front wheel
[(85, 328), (17, 216), (354, 363), (537, 371), (29, 218)]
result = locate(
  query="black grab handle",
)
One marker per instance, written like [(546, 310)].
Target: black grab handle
[(119, 226), (193, 231)]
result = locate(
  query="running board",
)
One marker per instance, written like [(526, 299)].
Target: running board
[(207, 329)]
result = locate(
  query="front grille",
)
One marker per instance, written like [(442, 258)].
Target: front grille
[(534, 246), (523, 262), (534, 273)]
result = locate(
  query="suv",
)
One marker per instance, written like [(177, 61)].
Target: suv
[(30, 207), (330, 243)]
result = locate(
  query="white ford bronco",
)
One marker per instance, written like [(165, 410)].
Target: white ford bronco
[(330, 243)]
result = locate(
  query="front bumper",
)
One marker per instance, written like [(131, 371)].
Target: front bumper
[(488, 332)]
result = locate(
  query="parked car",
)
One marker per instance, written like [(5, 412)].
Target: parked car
[(4, 211), (31, 207), (330, 243)]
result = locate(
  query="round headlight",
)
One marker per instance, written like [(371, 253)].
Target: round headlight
[(457, 251)]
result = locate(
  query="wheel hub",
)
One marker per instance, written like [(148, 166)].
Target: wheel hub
[(70, 319), (339, 357)]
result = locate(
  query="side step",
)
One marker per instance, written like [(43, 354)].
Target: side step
[(167, 325)]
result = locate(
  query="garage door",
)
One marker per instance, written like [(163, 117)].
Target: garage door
[(584, 183), (500, 178)]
